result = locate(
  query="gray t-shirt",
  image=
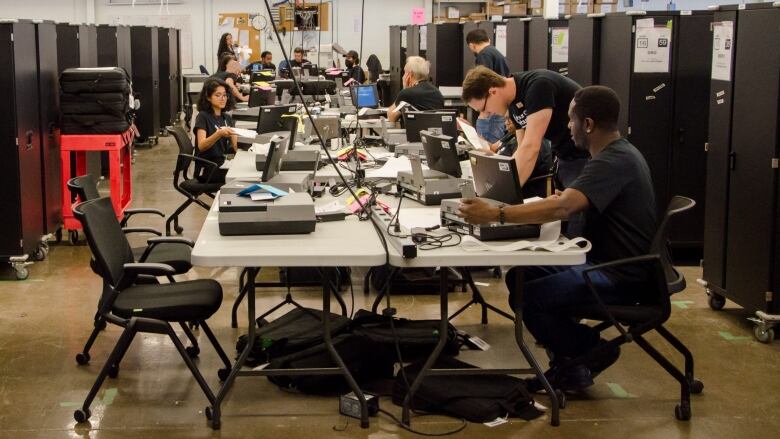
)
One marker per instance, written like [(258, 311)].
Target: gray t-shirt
[(621, 219)]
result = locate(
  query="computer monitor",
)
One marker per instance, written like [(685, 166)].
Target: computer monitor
[(416, 121), (269, 119), (328, 127), (311, 69), (495, 177), (259, 97), (318, 87), (273, 161), (365, 96), (441, 153)]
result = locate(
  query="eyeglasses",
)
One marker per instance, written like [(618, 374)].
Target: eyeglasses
[(220, 96), (484, 106)]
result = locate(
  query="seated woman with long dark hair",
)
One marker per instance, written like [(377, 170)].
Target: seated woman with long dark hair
[(213, 136)]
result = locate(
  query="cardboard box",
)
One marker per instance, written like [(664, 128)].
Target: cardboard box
[(605, 8), (516, 9), (609, 2), (453, 12), (565, 9), (536, 11), (582, 6), (535, 4)]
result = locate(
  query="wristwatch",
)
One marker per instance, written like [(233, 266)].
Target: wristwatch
[(501, 216)]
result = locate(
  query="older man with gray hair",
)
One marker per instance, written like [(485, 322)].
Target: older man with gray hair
[(418, 90)]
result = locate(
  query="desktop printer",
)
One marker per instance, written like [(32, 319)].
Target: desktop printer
[(239, 215), (305, 158), (496, 182), (442, 180)]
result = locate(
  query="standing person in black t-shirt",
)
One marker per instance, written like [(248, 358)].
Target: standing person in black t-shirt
[(213, 136), (418, 91), (537, 101), (490, 127), (615, 191), (230, 72)]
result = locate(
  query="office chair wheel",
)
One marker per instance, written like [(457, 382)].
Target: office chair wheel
[(763, 334), (192, 351), (561, 399), (683, 411), (178, 229), (82, 358), (22, 273), (40, 254), (73, 237), (82, 415), (113, 371), (716, 301), (696, 386), (223, 374)]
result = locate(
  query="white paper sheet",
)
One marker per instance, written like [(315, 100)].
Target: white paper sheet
[(550, 239), (332, 207), (722, 41), (471, 135), (260, 148), (559, 45), (391, 169), (501, 38), (243, 132), (651, 47), (418, 217)]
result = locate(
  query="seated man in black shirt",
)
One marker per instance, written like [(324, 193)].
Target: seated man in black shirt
[(615, 191), (285, 69), (213, 136), (418, 91), (352, 62), (230, 72), (265, 63)]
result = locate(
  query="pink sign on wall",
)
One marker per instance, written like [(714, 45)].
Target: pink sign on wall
[(418, 15)]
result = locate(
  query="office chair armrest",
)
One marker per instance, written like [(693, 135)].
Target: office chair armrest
[(132, 270), (208, 164), (129, 230), (151, 243), (539, 177), (136, 211), (636, 260)]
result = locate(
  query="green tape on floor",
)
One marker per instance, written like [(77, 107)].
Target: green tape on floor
[(682, 304), (730, 337), (108, 399), (619, 391)]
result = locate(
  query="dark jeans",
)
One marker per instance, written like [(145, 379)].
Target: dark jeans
[(549, 290)]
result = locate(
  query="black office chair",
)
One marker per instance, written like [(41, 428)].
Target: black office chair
[(138, 307), (203, 69), (192, 98), (632, 322), (175, 252), (188, 186)]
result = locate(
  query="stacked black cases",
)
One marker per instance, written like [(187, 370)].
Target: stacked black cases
[(752, 272), (113, 47), (444, 51), (146, 79), (468, 56), (665, 112), (584, 49), (396, 64), (20, 166), (49, 114), (517, 44), (164, 59), (719, 155)]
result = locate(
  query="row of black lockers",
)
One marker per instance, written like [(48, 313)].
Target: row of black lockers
[(669, 125), (32, 55)]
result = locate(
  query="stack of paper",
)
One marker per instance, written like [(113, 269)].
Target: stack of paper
[(243, 132), (262, 192)]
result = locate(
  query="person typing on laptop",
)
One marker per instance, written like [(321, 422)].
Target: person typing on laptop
[(615, 191)]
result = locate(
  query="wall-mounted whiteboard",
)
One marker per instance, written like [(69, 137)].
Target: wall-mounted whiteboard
[(181, 22)]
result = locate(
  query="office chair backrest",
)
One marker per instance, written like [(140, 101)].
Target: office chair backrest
[(203, 69), (105, 237), (84, 187), (186, 148), (660, 245), (374, 68)]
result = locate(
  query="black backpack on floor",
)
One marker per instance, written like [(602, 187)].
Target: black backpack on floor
[(475, 398), (295, 331)]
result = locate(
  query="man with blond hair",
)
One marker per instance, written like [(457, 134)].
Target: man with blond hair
[(418, 90)]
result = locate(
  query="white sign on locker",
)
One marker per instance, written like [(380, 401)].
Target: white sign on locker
[(722, 44), (651, 46)]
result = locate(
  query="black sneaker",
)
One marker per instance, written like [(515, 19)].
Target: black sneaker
[(572, 379), (604, 360)]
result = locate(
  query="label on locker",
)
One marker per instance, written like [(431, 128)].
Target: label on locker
[(722, 43), (652, 42), (559, 45), (501, 38)]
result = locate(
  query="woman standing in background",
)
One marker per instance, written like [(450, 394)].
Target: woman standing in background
[(226, 46)]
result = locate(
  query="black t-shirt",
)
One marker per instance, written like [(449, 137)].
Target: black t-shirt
[(491, 58), (357, 73), (269, 66), (621, 220), (207, 121), (540, 89), (423, 96)]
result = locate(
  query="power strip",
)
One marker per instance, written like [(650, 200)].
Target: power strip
[(405, 246), (350, 406)]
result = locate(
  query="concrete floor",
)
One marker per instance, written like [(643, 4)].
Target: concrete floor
[(45, 320)]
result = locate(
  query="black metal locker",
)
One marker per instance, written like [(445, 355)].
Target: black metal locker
[(444, 51), (538, 43), (413, 40), (615, 62), (584, 49), (113, 47), (752, 239), (88, 45), (175, 77), (396, 64), (517, 44), (490, 28), (20, 167), (718, 158), (688, 160), (164, 62), (146, 79), (67, 47), (468, 56), (49, 114)]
